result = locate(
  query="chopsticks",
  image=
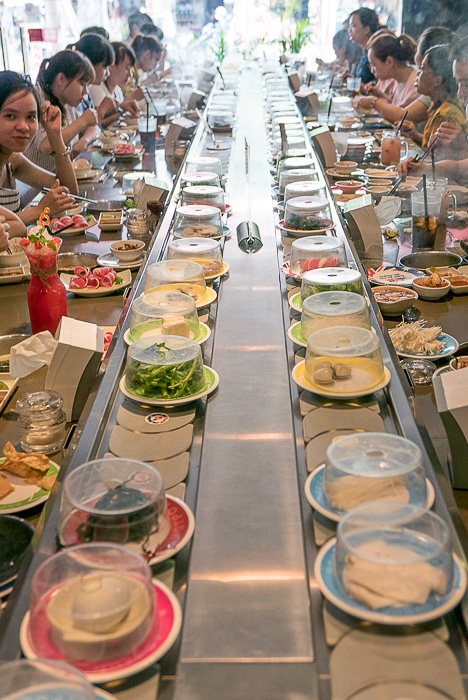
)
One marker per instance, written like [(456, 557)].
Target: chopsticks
[(401, 123), (417, 159), (74, 196)]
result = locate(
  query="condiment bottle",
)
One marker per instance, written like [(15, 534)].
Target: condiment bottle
[(42, 421)]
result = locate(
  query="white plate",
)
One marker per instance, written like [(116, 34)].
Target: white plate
[(298, 377), (381, 174), (139, 150), (450, 346), (298, 232), (125, 275), (408, 615), (211, 383), (111, 260), (25, 495), (317, 498), (226, 232), (81, 229), (339, 176), (11, 383), (23, 273), (391, 274)]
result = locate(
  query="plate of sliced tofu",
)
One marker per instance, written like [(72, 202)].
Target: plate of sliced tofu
[(25, 480)]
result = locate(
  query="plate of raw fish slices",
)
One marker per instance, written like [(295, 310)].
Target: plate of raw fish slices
[(99, 282)]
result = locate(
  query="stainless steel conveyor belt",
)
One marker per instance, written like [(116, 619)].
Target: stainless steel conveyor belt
[(255, 624)]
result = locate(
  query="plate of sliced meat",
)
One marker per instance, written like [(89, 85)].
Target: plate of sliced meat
[(71, 225), (99, 282)]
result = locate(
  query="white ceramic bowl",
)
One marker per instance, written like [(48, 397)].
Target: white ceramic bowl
[(453, 361), (394, 308), (345, 167), (430, 293), (118, 248), (18, 256)]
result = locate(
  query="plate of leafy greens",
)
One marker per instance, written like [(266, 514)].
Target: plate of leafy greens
[(211, 381)]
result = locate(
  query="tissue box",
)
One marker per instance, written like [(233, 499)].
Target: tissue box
[(75, 363)]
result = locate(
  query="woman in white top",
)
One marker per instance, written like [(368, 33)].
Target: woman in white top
[(19, 120), (148, 52), (117, 78), (63, 80)]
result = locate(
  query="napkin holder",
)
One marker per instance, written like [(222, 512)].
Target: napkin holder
[(307, 101), (75, 363), (294, 81), (179, 128), (153, 191), (451, 393), (364, 228), (324, 145), (196, 99)]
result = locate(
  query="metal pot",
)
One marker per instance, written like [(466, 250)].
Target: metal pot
[(6, 343), (106, 205), (66, 262), (431, 258)]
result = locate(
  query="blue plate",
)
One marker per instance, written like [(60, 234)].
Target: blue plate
[(450, 346), (317, 497), (434, 608), (394, 274)]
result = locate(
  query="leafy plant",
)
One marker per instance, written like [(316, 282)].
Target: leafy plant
[(220, 50), (300, 38)]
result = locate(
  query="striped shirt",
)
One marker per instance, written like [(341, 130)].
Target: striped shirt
[(9, 196)]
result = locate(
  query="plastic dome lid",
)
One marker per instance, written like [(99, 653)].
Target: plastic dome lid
[(307, 205), (297, 163), (331, 276), (343, 341), (28, 679), (286, 120), (200, 176), (294, 190), (173, 351), (209, 161), (334, 304), (200, 212), (194, 246), (163, 304), (317, 244), (174, 271), (374, 455), (203, 190)]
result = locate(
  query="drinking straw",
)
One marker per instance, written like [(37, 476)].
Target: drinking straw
[(329, 109), (401, 123), (426, 209), (147, 117), (433, 170)]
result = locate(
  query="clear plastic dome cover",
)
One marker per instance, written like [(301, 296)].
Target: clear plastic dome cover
[(197, 221), (208, 164), (344, 359), (200, 178), (114, 500), (365, 467), (307, 213), (288, 120), (295, 143), (204, 251), (313, 252), (91, 603), (220, 117), (172, 369), (163, 313), (204, 195), (303, 188), (326, 279), (301, 163), (389, 554), (43, 679), (296, 175), (329, 309), (184, 276)]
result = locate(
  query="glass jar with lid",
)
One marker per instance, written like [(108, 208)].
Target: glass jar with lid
[(201, 250), (138, 222), (42, 421), (207, 195), (308, 214), (197, 221)]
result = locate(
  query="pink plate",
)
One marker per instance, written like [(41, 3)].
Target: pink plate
[(182, 524), (164, 631), (286, 271)]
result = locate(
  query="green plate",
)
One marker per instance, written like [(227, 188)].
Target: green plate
[(25, 495), (211, 383), (202, 334), (295, 334), (295, 302)]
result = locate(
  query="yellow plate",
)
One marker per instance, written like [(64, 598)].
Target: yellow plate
[(299, 378), (224, 270)]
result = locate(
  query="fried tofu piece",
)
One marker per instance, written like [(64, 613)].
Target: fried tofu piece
[(43, 482), (23, 464), (5, 487)]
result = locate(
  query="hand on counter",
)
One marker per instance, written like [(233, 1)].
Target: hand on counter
[(4, 237)]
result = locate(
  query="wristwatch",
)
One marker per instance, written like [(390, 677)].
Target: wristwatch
[(372, 104)]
